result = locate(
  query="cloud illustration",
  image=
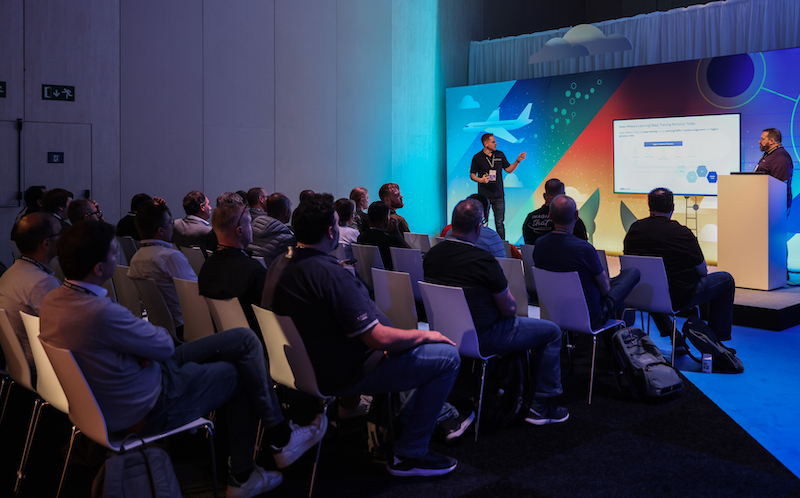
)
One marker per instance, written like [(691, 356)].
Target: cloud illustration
[(469, 103), (583, 39), (512, 181)]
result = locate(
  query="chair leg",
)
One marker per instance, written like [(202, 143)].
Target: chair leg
[(480, 399), (591, 374), (259, 438), (210, 436), (674, 329), (37, 412), (4, 393), (75, 432), (319, 449)]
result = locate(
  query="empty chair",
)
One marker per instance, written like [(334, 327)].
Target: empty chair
[(394, 297), (127, 295), (128, 246), (512, 268), (527, 259), (227, 313), (367, 257), (409, 261), (88, 418), (562, 301), (448, 313), (197, 321), (419, 241), (289, 364), (157, 310), (195, 257)]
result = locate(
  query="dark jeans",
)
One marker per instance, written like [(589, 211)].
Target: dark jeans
[(716, 289), (613, 304), (499, 209), (226, 368)]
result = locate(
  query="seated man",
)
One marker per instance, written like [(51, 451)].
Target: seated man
[(488, 240), (690, 283), (192, 230), (538, 222), (378, 235), (24, 285), (390, 194), (126, 227), (561, 251), (145, 385), (156, 259), (271, 236), (458, 262), (34, 195), (56, 202), (351, 349), (230, 271), (84, 210)]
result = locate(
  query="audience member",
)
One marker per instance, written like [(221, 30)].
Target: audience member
[(390, 194), (458, 262), (690, 283), (360, 196), (145, 385), (193, 230), (33, 204), (24, 285), (488, 240), (279, 207), (230, 272), (271, 236), (351, 347), (377, 234), (538, 222), (346, 209), (224, 198), (156, 259), (84, 210), (561, 251), (126, 227), (56, 202), (305, 194)]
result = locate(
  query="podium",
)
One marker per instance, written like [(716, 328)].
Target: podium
[(751, 235)]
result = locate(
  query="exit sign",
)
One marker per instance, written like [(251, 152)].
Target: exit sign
[(55, 157), (58, 92)]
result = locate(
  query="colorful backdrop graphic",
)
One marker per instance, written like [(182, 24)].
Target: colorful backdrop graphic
[(570, 135)]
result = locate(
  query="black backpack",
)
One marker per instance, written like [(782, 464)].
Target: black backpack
[(507, 388), (723, 359), (641, 367)]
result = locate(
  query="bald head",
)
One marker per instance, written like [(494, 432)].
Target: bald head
[(36, 236), (563, 211)]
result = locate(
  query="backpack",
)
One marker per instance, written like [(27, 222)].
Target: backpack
[(507, 388), (641, 367), (701, 336), (137, 473)]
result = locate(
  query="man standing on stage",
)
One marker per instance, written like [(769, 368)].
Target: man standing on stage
[(776, 162), (485, 170)]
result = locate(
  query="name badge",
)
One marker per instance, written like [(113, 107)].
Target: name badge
[(492, 175)]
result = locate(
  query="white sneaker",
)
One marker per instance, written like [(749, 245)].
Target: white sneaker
[(260, 481), (303, 438)]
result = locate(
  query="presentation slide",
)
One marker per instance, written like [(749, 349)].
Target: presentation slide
[(685, 154)]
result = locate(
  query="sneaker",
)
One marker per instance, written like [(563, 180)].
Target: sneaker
[(361, 409), (548, 415), (454, 428), (432, 464), (260, 481), (303, 438)]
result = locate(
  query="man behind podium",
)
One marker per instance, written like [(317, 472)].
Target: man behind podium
[(776, 162), (690, 283)]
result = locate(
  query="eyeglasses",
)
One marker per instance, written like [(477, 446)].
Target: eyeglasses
[(239, 222), (98, 213)]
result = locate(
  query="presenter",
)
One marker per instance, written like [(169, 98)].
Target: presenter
[(486, 170), (776, 162)]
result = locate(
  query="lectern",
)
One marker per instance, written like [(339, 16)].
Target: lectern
[(751, 235)]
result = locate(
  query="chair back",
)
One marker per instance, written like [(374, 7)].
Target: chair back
[(512, 268), (409, 261), (227, 313), (195, 257), (448, 313), (84, 411), (339, 252), (289, 363), (197, 320), (601, 254), (127, 295), (47, 384), (14, 250), (562, 301), (527, 259), (439, 239), (367, 257), (128, 246), (507, 248), (57, 271), (260, 259), (652, 292), (394, 297), (419, 241), (157, 310), (109, 286), (16, 362)]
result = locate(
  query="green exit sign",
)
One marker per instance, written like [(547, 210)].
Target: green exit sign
[(58, 92)]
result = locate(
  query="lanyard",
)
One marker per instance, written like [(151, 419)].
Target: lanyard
[(72, 286), (37, 263)]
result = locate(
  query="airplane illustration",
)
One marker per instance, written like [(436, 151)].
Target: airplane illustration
[(499, 128)]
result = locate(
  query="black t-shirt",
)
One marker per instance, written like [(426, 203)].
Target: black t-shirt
[(461, 264), (330, 308), (377, 237), (483, 164), (538, 223), (676, 245)]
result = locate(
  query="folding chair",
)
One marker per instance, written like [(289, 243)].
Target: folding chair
[(512, 268), (367, 257), (197, 321), (394, 297), (419, 241)]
